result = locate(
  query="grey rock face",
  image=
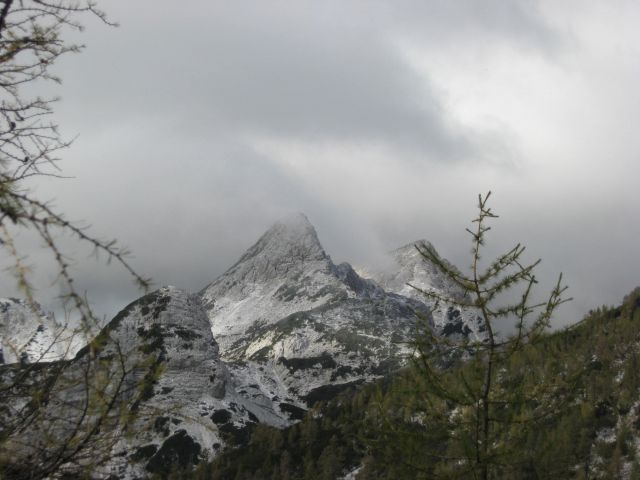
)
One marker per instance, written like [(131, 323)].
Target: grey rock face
[(173, 323)]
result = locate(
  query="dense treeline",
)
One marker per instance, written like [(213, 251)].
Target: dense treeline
[(592, 432)]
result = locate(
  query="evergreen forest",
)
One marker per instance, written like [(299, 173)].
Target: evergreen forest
[(592, 431)]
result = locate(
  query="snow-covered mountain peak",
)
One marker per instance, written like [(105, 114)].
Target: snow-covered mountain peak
[(302, 327), (28, 334), (285, 271), (409, 255)]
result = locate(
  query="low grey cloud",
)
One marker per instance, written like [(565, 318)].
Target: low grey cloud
[(202, 124)]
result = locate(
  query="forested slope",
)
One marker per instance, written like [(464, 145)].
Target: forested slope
[(375, 432)]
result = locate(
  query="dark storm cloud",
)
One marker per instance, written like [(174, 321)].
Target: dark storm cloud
[(518, 22), (305, 70)]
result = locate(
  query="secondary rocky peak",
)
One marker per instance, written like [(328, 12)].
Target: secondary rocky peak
[(172, 323), (158, 359), (410, 266)]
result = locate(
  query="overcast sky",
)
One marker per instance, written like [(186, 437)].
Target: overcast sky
[(201, 123)]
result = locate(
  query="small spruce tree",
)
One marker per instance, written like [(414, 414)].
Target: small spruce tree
[(483, 398)]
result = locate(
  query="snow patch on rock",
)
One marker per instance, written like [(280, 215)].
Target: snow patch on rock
[(29, 335)]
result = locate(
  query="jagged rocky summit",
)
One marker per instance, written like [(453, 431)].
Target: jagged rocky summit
[(281, 329)]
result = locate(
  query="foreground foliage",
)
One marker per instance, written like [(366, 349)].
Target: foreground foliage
[(61, 418), (470, 409)]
